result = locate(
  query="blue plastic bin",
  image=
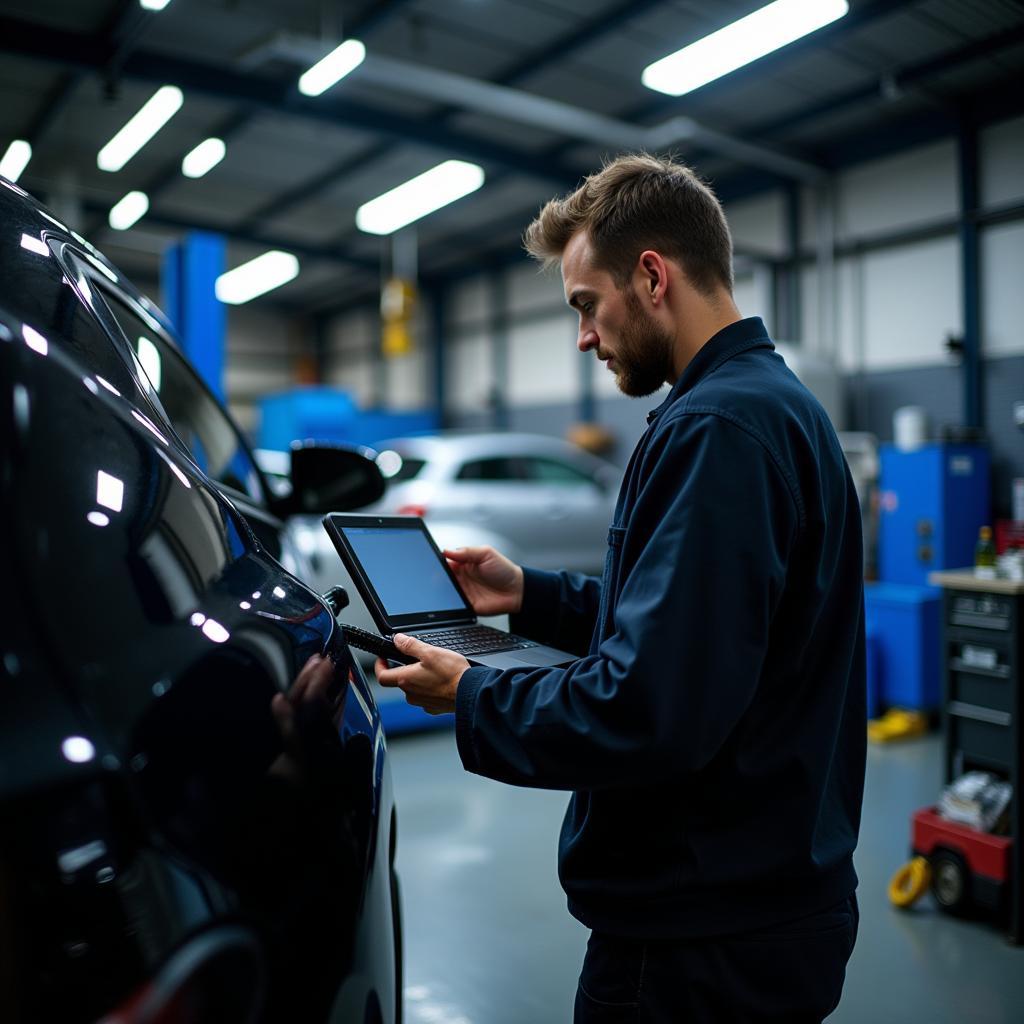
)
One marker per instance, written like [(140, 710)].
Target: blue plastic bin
[(905, 621)]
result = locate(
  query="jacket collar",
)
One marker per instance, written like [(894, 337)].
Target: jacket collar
[(728, 342)]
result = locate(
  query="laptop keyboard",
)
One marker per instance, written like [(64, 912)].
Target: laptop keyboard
[(475, 640)]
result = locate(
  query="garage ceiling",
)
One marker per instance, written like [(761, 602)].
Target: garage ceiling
[(890, 73)]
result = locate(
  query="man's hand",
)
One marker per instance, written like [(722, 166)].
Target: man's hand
[(493, 583), (430, 684)]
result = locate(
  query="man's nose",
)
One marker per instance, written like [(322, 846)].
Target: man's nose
[(586, 340)]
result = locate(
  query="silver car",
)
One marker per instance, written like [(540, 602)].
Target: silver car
[(542, 501)]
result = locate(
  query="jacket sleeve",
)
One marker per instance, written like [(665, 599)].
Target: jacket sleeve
[(703, 566), (559, 608)]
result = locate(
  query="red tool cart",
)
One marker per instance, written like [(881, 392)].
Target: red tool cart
[(970, 869)]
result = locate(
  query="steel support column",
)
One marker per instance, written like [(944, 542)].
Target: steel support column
[(970, 275), (438, 329), (189, 271), (498, 296), (792, 298)]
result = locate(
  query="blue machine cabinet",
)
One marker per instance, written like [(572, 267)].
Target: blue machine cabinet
[(902, 622), (933, 502)]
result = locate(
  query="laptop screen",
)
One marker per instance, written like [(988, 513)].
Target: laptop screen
[(404, 569)]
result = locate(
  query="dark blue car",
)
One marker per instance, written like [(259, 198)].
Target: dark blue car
[(171, 849)]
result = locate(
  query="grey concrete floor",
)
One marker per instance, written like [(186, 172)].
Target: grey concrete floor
[(488, 939)]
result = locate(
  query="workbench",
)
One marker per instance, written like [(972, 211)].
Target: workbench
[(982, 706)]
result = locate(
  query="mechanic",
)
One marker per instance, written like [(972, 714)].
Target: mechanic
[(713, 728)]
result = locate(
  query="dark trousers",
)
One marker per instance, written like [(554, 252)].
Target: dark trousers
[(788, 974)]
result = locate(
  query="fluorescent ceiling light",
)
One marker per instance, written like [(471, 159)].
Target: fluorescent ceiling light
[(16, 159), (419, 196), (203, 158), (153, 5), (333, 68), (743, 41), (152, 116), (271, 270), (127, 210)]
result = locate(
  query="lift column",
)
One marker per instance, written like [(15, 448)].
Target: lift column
[(190, 269)]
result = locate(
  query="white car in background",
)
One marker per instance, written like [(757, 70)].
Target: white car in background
[(543, 502)]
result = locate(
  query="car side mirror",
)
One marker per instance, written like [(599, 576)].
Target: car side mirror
[(330, 478)]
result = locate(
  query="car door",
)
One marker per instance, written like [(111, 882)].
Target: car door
[(490, 492), (571, 510)]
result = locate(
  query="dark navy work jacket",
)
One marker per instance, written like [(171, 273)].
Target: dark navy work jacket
[(713, 729)]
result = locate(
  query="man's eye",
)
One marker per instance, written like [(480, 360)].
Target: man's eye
[(588, 307)]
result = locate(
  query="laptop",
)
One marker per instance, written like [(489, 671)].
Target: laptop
[(409, 588)]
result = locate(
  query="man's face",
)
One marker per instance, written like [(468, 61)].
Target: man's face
[(614, 322)]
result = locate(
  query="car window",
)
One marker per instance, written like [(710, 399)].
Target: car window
[(408, 469), (493, 469), (197, 418), (554, 471), (53, 306)]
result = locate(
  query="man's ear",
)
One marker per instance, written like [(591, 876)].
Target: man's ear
[(653, 273)]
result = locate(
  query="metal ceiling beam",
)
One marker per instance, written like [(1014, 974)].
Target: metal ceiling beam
[(328, 253), (899, 81), (573, 39), (78, 50), (307, 189), (374, 17), (111, 37), (552, 115)]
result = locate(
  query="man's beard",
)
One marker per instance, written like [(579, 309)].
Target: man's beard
[(644, 356)]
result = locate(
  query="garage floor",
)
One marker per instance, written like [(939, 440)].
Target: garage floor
[(488, 939)]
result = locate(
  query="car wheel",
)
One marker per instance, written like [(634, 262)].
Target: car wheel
[(951, 881)]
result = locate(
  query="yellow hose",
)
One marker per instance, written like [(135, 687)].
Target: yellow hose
[(910, 882)]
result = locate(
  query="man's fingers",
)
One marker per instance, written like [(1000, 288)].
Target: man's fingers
[(466, 555), (410, 645), (284, 715)]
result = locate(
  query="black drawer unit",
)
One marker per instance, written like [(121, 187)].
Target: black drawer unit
[(982, 704)]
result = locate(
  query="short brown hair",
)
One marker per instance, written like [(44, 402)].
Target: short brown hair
[(637, 202)]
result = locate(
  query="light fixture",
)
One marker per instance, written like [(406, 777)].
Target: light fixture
[(152, 116), (15, 159), (127, 210), (203, 158), (109, 491), (153, 5), (419, 196), (745, 40), (271, 270), (333, 68)]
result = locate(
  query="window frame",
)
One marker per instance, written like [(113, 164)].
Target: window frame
[(103, 292)]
